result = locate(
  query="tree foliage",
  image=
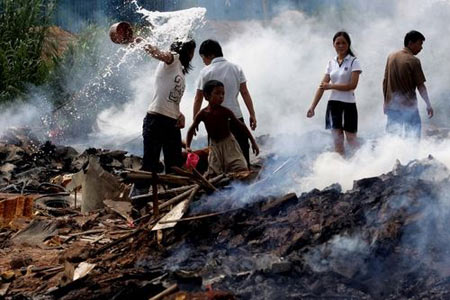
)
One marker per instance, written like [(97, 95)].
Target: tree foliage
[(22, 32)]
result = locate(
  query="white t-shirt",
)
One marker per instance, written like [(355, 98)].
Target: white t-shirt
[(169, 88), (342, 75), (230, 75)]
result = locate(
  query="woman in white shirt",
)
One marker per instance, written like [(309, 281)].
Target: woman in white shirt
[(341, 77), (163, 122)]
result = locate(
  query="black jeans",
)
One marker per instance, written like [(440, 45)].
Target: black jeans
[(159, 132), (242, 140)]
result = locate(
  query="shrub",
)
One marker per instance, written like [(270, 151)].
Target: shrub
[(22, 31)]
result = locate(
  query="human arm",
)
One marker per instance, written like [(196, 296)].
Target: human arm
[(198, 99), (385, 80), (244, 128), (343, 87), (191, 131), (249, 103), (317, 96), (154, 51), (384, 94), (181, 121), (424, 94)]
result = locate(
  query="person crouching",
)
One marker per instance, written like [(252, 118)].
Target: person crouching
[(225, 154)]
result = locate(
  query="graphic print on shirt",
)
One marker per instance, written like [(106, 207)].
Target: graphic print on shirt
[(177, 92)]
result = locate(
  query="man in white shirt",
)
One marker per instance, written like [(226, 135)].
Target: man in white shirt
[(233, 78)]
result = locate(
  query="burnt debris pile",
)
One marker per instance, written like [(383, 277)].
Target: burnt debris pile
[(383, 239), (26, 163), (386, 238)]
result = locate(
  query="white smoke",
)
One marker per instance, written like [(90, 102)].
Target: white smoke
[(284, 59), (25, 114), (336, 254)]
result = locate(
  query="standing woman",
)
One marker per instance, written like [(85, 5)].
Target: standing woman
[(163, 121), (341, 77)]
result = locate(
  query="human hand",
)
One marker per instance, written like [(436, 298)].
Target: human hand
[(310, 113), (252, 122), (188, 150), (195, 130), (325, 86), (430, 112), (180, 121), (134, 42), (255, 148)]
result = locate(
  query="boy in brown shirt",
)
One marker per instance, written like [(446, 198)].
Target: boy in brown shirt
[(225, 154), (403, 74)]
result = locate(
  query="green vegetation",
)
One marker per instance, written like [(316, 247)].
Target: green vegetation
[(78, 65), (84, 81), (22, 31)]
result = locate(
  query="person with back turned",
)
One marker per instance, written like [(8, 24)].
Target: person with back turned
[(235, 82), (402, 76)]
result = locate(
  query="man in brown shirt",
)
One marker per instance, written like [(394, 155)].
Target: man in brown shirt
[(403, 74)]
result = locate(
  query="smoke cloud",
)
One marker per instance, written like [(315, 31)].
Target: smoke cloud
[(284, 59)]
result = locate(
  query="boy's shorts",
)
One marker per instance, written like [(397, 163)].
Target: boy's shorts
[(341, 115), (225, 156)]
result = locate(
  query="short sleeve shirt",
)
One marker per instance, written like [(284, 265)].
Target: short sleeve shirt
[(403, 74), (230, 75), (342, 74), (169, 88)]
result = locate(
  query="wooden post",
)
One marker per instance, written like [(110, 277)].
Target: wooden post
[(171, 289), (155, 194)]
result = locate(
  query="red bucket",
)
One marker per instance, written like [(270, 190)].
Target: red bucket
[(192, 160)]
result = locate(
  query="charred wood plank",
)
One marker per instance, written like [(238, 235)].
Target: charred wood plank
[(273, 207), (197, 177), (161, 195), (203, 180), (166, 292), (143, 176), (177, 212), (155, 194), (179, 198), (197, 217), (118, 241)]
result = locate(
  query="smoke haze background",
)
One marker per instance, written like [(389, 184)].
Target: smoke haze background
[(284, 59)]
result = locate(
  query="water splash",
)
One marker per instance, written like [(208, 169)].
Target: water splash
[(165, 27)]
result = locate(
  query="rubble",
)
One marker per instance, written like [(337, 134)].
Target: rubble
[(384, 239)]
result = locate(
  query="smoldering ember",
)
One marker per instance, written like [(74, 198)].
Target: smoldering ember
[(80, 219)]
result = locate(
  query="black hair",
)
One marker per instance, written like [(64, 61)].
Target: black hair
[(184, 49), (413, 36), (346, 36), (210, 48), (209, 86)]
